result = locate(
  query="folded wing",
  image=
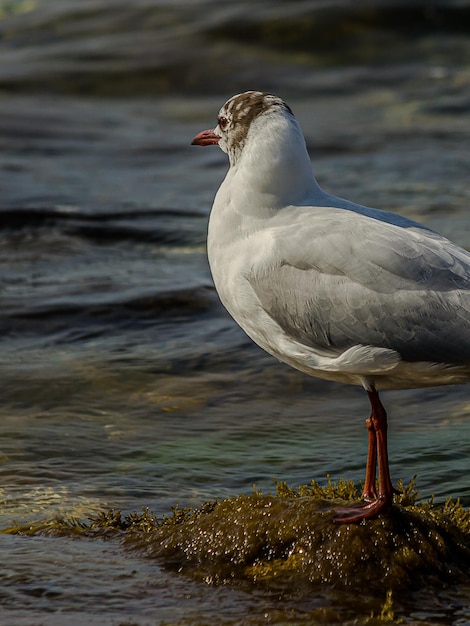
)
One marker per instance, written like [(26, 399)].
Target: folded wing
[(342, 279)]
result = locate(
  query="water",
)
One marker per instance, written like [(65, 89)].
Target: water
[(124, 382)]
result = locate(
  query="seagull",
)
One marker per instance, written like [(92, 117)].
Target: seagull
[(337, 290)]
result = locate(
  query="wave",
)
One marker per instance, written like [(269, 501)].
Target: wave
[(79, 318), (145, 47), (170, 226)]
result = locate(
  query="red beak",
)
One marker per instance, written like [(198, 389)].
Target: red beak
[(206, 138)]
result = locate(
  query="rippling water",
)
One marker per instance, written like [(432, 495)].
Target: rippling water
[(124, 383)]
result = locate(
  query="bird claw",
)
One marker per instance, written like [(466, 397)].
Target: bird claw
[(362, 510)]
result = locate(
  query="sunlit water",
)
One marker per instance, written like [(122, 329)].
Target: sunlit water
[(125, 384)]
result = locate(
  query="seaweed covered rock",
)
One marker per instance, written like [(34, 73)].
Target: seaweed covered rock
[(290, 538)]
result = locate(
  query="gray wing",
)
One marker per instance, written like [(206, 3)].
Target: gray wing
[(344, 280)]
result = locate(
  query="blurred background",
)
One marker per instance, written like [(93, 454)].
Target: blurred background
[(123, 381)]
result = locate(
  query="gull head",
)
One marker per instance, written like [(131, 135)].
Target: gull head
[(237, 118)]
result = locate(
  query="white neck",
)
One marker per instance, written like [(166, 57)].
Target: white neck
[(274, 168)]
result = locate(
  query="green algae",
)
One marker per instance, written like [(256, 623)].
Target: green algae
[(288, 540)]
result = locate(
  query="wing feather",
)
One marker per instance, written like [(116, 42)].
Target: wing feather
[(340, 282)]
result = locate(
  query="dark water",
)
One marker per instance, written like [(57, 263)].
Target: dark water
[(124, 383)]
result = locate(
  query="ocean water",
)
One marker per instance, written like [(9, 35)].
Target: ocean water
[(124, 383)]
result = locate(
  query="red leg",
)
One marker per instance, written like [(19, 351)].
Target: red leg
[(372, 504), (379, 417), (369, 493)]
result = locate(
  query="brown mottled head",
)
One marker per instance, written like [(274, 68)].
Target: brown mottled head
[(235, 118)]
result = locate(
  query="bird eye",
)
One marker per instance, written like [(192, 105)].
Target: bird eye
[(223, 122)]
